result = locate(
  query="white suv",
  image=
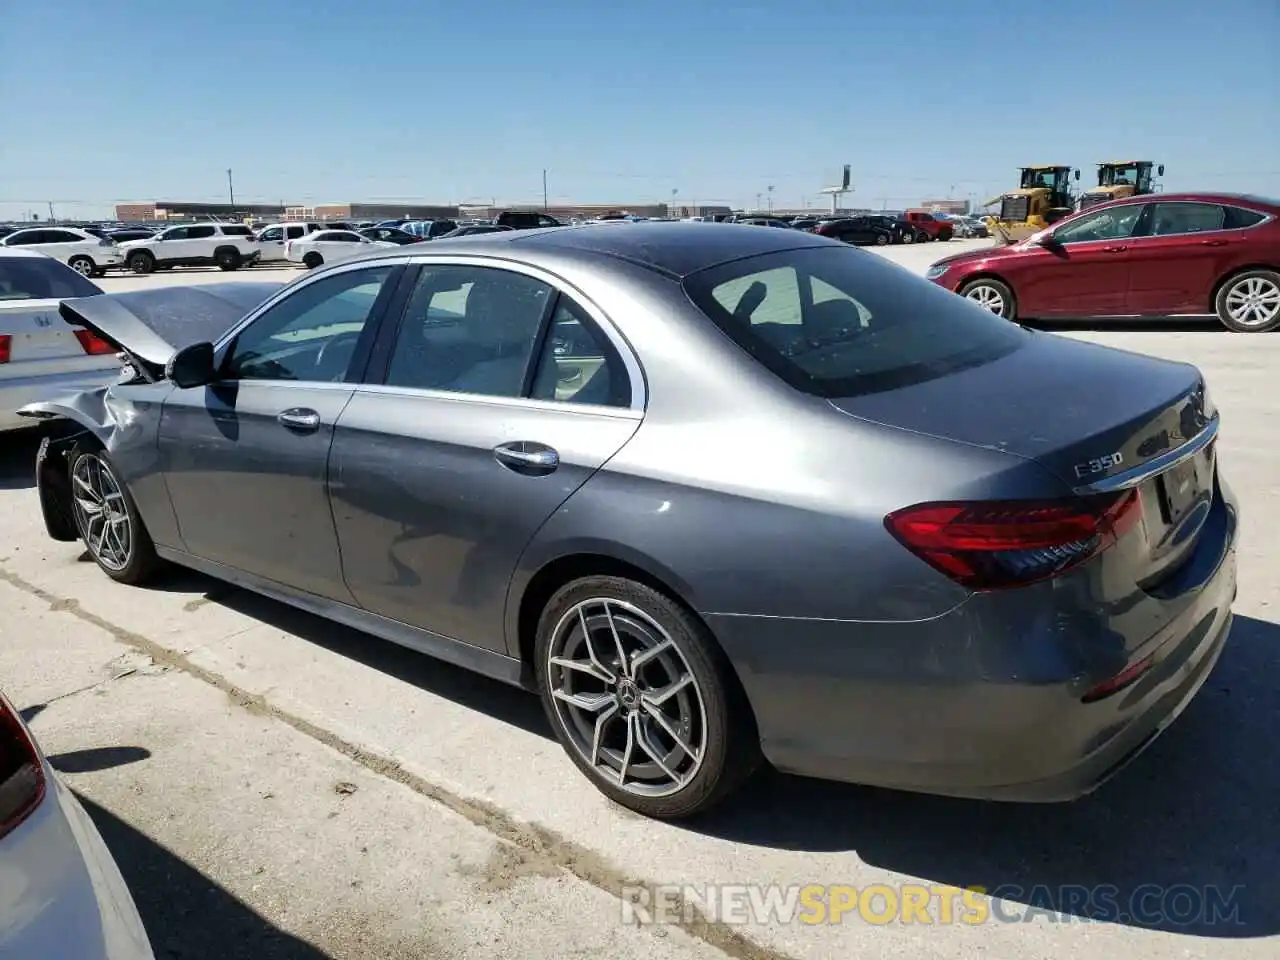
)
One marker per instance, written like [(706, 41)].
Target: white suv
[(225, 245), (84, 253)]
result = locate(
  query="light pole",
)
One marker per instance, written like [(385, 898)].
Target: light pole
[(770, 189), (545, 207), (671, 212), (231, 190), (757, 203)]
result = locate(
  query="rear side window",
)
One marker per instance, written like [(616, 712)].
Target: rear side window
[(234, 231), (836, 322), (23, 278), (1238, 217), (1174, 218), (200, 233)]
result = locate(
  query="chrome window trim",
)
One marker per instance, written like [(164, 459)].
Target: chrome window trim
[(487, 399), (1152, 199), (1135, 476), (630, 362)]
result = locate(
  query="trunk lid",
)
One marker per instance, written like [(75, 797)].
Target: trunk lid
[(151, 325), (1096, 417)]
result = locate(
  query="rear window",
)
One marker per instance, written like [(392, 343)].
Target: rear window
[(838, 322), (32, 278)]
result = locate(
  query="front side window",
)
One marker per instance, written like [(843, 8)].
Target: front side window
[(840, 322), (37, 278), (271, 233), (25, 238), (469, 330), (1116, 223), (311, 334)]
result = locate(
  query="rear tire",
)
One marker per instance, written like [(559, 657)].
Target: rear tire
[(992, 295), (1250, 302), (107, 519), (665, 758), (82, 265), (312, 260), (227, 260), (882, 239), (142, 262)]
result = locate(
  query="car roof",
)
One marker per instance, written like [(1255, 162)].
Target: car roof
[(1229, 198)]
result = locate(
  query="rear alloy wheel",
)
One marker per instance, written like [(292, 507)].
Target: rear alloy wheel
[(108, 521), (312, 260), (882, 239), (991, 295), (908, 238), (83, 266), (228, 260), (1250, 302), (638, 697), (141, 262)]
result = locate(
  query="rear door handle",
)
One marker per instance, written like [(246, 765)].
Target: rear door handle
[(1119, 249), (301, 419), (1213, 243), (527, 457)]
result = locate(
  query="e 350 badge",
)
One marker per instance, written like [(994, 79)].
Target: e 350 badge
[(1100, 465)]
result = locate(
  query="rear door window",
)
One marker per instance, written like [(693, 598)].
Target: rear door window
[(841, 322), (1175, 218)]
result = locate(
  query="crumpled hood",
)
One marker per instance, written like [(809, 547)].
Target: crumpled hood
[(151, 325)]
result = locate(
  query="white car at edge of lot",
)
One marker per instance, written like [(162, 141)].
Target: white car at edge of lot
[(61, 893), (328, 246), (86, 254), (41, 355)]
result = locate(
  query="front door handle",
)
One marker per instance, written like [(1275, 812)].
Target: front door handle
[(527, 457), (301, 419), (1213, 243), (1118, 249)]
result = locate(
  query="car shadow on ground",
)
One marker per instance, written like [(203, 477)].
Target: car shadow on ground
[(18, 458), (465, 687), (1192, 819), (186, 914), (1197, 324)]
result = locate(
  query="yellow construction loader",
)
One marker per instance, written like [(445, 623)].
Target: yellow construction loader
[(1121, 178), (1043, 197)]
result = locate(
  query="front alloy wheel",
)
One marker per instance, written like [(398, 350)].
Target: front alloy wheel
[(640, 699), (101, 514), (991, 295), (107, 520)]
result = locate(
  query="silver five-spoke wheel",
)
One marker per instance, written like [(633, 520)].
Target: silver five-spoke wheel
[(989, 298), (101, 513), (626, 698), (1254, 301)]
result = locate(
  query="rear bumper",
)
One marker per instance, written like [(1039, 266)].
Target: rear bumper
[(19, 391), (986, 700)]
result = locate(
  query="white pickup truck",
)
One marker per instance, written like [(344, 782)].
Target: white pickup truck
[(226, 245)]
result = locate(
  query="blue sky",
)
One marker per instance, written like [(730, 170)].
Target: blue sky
[(334, 100)]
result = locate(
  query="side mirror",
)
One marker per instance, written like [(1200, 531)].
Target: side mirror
[(1077, 174), (191, 366), (1046, 240), (1160, 170)]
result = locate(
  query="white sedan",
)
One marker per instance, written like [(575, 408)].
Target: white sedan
[(61, 893), (41, 355), (326, 246)]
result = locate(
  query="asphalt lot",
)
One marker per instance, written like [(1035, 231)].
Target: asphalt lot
[(275, 786)]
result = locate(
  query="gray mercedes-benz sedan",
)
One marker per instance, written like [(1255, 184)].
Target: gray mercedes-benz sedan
[(716, 493)]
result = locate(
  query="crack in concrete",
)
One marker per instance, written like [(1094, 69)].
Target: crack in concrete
[(539, 850)]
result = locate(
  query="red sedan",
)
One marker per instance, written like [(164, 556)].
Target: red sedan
[(1156, 255)]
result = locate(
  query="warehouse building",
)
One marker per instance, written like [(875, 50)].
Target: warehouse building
[(181, 210)]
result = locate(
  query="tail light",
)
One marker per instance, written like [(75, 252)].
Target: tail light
[(6, 347), (93, 344), (22, 782), (990, 545), (106, 243)]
